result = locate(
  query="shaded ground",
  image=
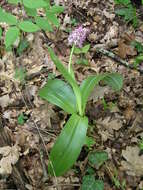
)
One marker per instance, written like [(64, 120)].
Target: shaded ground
[(116, 128)]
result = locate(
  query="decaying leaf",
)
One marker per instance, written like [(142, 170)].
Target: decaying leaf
[(134, 162), (107, 125), (10, 156), (4, 100)]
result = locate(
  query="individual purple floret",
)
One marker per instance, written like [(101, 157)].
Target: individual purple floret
[(78, 36)]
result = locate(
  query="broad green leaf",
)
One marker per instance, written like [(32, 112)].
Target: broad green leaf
[(89, 183), (59, 93), (30, 12), (7, 17), (28, 26), (52, 18), (68, 145), (15, 2), (114, 80), (11, 36), (43, 23), (68, 78), (34, 4), (0, 32), (56, 9), (97, 158), (87, 87)]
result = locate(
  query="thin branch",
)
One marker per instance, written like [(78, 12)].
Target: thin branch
[(117, 59)]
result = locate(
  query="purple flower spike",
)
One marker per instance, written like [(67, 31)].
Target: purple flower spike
[(78, 36)]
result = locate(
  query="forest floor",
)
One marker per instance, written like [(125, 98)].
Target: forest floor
[(116, 118)]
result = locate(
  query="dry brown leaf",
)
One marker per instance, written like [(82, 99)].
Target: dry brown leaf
[(4, 101), (124, 50), (134, 163), (107, 126), (10, 156), (99, 92)]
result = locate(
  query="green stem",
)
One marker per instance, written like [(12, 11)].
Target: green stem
[(70, 70), (70, 59)]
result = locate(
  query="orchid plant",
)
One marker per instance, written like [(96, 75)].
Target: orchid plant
[(72, 98)]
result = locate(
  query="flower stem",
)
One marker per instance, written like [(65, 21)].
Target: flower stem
[(70, 61)]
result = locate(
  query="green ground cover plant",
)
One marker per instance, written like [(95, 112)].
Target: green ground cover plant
[(32, 22)]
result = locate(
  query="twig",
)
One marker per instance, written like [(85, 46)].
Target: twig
[(62, 185), (118, 59), (45, 174)]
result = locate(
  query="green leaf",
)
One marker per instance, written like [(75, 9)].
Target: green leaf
[(68, 78), (82, 61), (0, 32), (89, 141), (87, 87), (43, 23), (89, 183), (77, 50), (114, 80), (15, 2), (68, 145), (56, 9), (129, 14), (7, 17), (28, 26), (138, 46), (97, 158), (34, 4), (30, 12), (124, 2), (85, 48), (11, 36), (59, 93), (53, 19), (138, 60), (21, 119)]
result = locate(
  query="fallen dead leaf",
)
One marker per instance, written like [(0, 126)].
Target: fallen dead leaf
[(134, 163), (4, 101), (10, 156)]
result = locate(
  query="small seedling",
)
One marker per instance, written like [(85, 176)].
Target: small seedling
[(21, 119), (89, 182), (128, 11), (139, 58), (81, 52), (72, 98)]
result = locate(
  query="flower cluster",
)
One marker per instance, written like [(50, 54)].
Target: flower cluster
[(78, 36)]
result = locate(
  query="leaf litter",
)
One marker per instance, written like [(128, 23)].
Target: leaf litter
[(116, 130)]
